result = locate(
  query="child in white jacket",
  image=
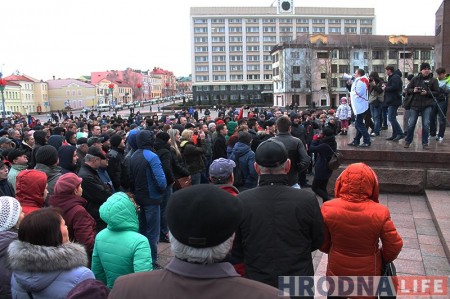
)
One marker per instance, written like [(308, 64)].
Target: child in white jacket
[(344, 114)]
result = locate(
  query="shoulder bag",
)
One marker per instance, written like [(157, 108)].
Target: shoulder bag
[(336, 159)]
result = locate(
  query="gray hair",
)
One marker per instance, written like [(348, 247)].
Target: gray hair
[(267, 170), (210, 255), (89, 158)]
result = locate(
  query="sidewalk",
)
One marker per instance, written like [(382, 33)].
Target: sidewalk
[(422, 221)]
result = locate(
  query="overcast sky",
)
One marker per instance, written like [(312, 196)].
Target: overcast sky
[(69, 38)]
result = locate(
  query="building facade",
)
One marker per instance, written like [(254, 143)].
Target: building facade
[(65, 93), (309, 71), (230, 46)]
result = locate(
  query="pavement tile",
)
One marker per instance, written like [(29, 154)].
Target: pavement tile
[(409, 267), (432, 240), (438, 263), (397, 197), (407, 232), (410, 254), (400, 208), (410, 243), (403, 220), (432, 250), (420, 214)]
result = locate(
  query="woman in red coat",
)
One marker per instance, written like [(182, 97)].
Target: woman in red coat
[(358, 230)]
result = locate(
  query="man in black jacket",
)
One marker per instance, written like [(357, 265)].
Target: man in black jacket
[(422, 87), (393, 99), (219, 149), (281, 225), (116, 167), (94, 190)]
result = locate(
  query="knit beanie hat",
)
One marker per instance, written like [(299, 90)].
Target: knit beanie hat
[(163, 136), (47, 155), (55, 141), (67, 183), (115, 140), (9, 212), (89, 288), (65, 154)]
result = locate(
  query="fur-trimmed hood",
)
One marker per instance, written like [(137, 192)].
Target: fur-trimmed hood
[(26, 257)]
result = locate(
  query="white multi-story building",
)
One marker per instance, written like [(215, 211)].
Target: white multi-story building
[(231, 46)]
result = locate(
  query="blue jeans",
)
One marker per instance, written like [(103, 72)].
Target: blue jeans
[(361, 130), (375, 110), (392, 117), (149, 227), (413, 116), (164, 201), (437, 115)]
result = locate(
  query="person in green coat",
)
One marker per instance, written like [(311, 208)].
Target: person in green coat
[(119, 249)]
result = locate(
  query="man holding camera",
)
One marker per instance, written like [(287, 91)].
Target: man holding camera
[(423, 87)]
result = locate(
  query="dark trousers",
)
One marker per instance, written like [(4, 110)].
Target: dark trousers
[(436, 114), (320, 188)]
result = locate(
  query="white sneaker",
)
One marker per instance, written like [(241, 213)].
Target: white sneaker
[(440, 139)]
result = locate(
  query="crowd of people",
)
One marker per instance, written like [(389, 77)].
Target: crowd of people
[(86, 200), (375, 103)]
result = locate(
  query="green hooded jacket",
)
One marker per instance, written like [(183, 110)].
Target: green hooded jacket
[(119, 249)]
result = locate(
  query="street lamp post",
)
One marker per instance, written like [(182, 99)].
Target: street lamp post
[(2, 88)]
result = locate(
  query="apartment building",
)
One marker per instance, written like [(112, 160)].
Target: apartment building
[(308, 72), (63, 93), (230, 46)]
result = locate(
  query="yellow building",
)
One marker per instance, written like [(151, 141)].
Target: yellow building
[(63, 93)]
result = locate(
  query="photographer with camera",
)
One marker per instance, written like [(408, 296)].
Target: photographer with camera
[(423, 87)]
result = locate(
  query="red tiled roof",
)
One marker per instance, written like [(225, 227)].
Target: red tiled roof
[(18, 78)]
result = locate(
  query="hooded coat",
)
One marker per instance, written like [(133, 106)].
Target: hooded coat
[(46, 271), (120, 249), (148, 181), (65, 154), (243, 154), (80, 224), (6, 237), (30, 187), (355, 223)]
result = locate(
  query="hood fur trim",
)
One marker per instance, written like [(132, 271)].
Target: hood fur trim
[(26, 257)]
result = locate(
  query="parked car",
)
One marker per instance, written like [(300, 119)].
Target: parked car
[(104, 107), (85, 110), (118, 107)]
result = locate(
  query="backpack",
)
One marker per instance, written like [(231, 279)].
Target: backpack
[(238, 175)]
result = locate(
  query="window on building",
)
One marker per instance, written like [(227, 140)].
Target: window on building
[(219, 78), (302, 29), (366, 30), (200, 30), (218, 49), (344, 54), (267, 48), (416, 54), (236, 77), (366, 55), (200, 21), (252, 48), (350, 21), (219, 58), (235, 68), (379, 68), (201, 68), (318, 29), (323, 75), (285, 20), (285, 29), (344, 69), (252, 29), (350, 29), (269, 29), (356, 55), (253, 67), (425, 55), (217, 29), (253, 77), (235, 21), (235, 29), (286, 38), (378, 54), (201, 78), (393, 54), (217, 39), (303, 21), (235, 48), (334, 54), (252, 39), (296, 69), (334, 82), (322, 54), (295, 84), (266, 57), (334, 68), (415, 68), (405, 55), (334, 21), (295, 55), (252, 57), (265, 20), (236, 57), (275, 71), (201, 58), (215, 21), (334, 29), (318, 21), (201, 39), (219, 68), (267, 67), (235, 39), (270, 39)]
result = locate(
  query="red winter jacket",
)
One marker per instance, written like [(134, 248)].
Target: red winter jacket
[(355, 223)]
